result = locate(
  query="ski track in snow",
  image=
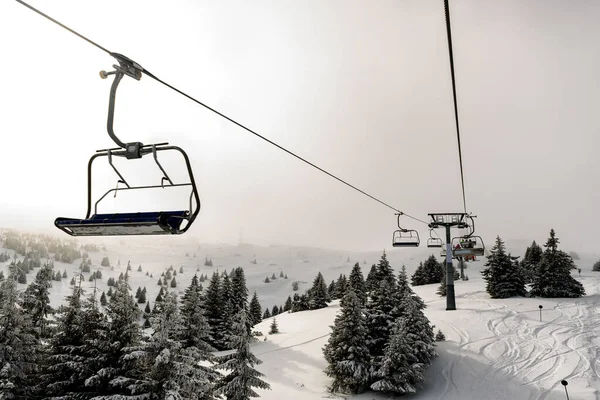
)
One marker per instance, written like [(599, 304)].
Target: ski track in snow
[(537, 355)]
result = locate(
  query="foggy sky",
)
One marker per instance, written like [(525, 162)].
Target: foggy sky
[(361, 88)]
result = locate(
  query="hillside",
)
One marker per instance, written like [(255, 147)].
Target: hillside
[(495, 349)]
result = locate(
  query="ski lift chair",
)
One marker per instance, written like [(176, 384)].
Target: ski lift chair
[(434, 242), (170, 222), (405, 237), (474, 248)]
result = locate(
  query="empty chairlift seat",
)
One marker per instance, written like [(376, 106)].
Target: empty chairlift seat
[(141, 223)]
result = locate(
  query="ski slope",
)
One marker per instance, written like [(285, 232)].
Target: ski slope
[(495, 349)]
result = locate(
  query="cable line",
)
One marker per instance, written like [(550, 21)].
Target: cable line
[(449, 34), (225, 116)]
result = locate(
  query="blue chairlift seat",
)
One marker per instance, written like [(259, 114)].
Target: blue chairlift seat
[(141, 223)]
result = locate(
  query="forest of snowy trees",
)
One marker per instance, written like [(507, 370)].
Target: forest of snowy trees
[(91, 351), (381, 340)]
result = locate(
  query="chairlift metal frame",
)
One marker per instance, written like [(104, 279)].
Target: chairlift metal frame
[(405, 237), (434, 242), (141, 223)]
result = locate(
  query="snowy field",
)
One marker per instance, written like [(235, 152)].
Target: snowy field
[(495, 349)]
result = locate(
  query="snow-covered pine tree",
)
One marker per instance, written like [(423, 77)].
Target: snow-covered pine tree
[(553, 274), (385, 271), (502, 275), (274, 328), (226, 304), (400, 372), (214, 312), (62, 373), (533, 256), (331, 292), (111, 342), (266, 314), (404, 291), (318, 295), (418, 277), (439, 336), (36, 301), (255, 310), (346, 352), (341, 286), (371, 281), (242, 378), (381, 312), (441, 291), (19, 357), (195, 330), (356, 283), (239, 291), (162, 368), (288, 304)]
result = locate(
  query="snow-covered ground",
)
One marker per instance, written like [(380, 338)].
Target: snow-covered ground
[(495, 349)]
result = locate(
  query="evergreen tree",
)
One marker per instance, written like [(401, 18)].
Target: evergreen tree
[(400, 371), (596, 266), (36, 301), (255, 310), (239, 291), (356, 283), (147, 310), (341, 287), (103, 300), (380, 315), (267, 313), (20, 348), (439, 336), (385, 271), (242, 377), (110, 292), (163, 368), (281, 274), (533, 256), (442, 288), (275, 310), (113, 342), (331, 290), (214, 312), (405, 293), (288, 304), (553, 274), (318, 293), (62, 374), (196, 330), (138, 292), (274, 328), (371, 281), (346, 352), (173, 283), (502, 274), (64, 275), (226, 304), (142, 298), (431, 271)]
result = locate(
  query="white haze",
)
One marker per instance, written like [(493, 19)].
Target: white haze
[(360, 88)]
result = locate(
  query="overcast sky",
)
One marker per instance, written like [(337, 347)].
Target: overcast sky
[(361, 88)]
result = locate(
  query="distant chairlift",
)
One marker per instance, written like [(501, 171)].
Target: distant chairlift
[(137, 223), (433, 242), (405, 237), (468, 246)]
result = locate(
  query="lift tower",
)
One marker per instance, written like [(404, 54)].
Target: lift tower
[(449, 220)]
